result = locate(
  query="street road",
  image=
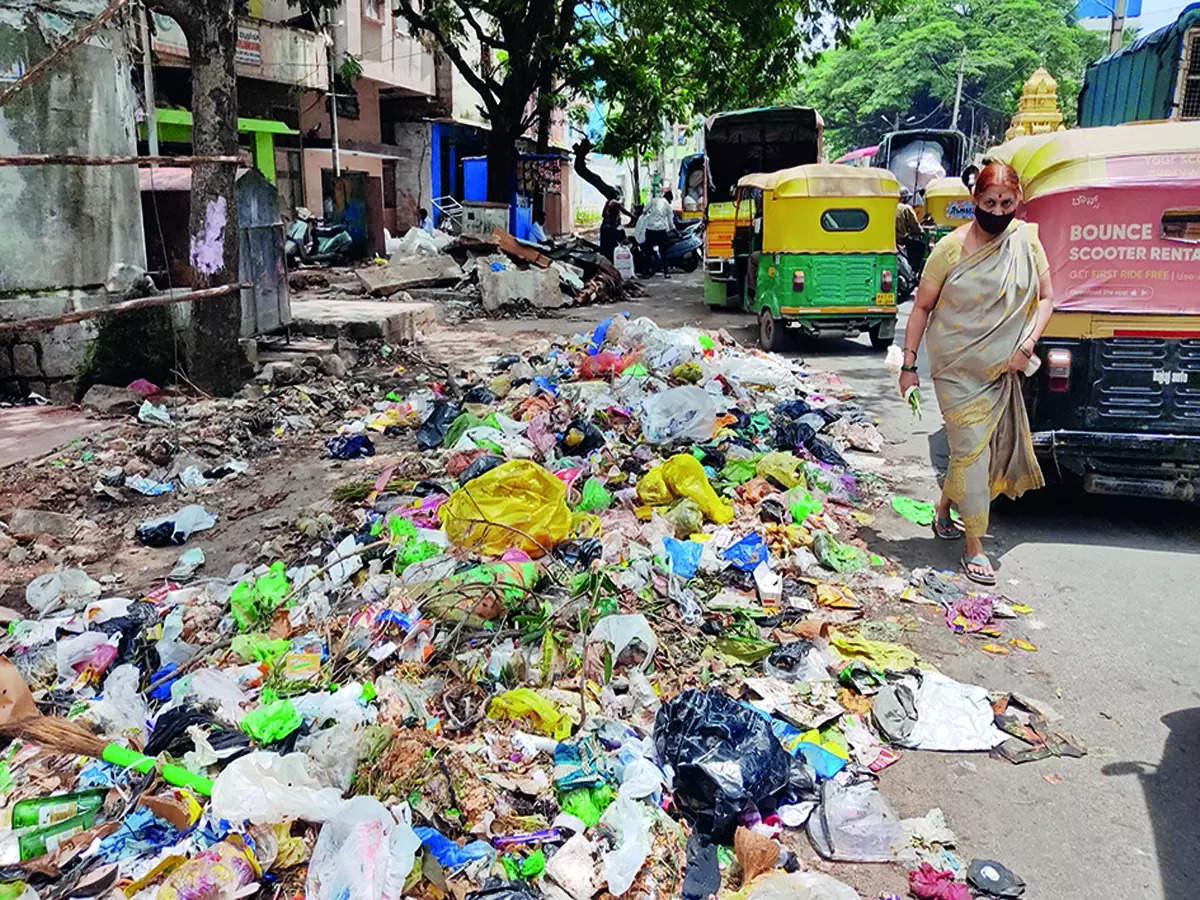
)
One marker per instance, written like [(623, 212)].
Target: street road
[(1114, 584)]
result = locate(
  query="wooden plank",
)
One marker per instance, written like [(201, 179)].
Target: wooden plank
[(43, 323), (513, 247)]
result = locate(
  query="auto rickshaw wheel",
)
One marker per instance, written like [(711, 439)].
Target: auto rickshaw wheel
[(772, 335)]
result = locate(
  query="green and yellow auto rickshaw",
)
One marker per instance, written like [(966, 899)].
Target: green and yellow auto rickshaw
[(815, 249)]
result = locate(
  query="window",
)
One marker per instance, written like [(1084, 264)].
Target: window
[(373, 10), (1190, 64), (1181, 225), (844, 219)]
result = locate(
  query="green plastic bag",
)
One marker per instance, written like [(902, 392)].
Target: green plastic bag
[(835, 555), (259, 647), (272, 721), (738, 471), (919, 512), (463, 422), (587, 803), (255, 600), (802, 504), (594, 497), (403, 535)]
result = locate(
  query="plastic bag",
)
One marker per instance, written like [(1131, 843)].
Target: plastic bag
[(175, 528), (433, 430), (685, 517), (623, 630), (362, 853), (685, 477), (781, 468), (738, 471), (936, 713), (122, 708), (724, 756), (652, 488), (594, 497), (221, 872), (799, 660), (451, 856), (678, 414), (797, 886), (802, 504), (684, 556), (839, 557), (747, 553), (272, 721), (854, 823), (524, 704), (628, 821), (69, 589), (265, 788), (254, 600), (349, 446), (520, 494)]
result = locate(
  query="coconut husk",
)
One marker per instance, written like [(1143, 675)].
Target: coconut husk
[(755, 854)]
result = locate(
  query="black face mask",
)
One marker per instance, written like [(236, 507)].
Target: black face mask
[(991, 222)]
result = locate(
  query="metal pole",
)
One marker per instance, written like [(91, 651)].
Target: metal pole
[(331, 48), (148, 83), (962, 64), (1116, 33)]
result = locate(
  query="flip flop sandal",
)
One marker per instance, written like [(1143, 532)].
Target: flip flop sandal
[(988, 578), (946, 529)]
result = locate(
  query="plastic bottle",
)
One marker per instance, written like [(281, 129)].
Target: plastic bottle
[(37, 812), (19, 846)]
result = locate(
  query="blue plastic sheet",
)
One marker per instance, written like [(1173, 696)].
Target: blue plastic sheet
[(598, 337), (747, 553), (685, 556), (449, 854)]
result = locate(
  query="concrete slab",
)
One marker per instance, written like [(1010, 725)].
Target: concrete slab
[(410, 272), (501, 288), (361, 320)]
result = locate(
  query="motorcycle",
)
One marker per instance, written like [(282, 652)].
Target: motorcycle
[(317, 241), (684, 251)]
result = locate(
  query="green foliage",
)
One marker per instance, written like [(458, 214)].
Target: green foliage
[(904, 67), (351, 69), (653, 62)]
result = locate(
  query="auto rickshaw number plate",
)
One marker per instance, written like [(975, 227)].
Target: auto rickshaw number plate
[(885, 299)]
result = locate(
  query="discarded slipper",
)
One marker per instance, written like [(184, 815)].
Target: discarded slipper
[(979, 569)]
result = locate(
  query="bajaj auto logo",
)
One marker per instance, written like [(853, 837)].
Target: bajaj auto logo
[(1162, 376), (960, 209)]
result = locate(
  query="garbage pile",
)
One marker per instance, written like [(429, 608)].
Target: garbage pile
[(603, 625), (495, 275)]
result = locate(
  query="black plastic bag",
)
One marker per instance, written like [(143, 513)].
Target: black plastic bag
[(478, 467), (480, 393), (495, 889), (824, 452), (792, 409), (580, 552), (724, 756), (433, 430), (793, 435), (580, 439)]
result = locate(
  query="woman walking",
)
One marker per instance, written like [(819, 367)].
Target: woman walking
[(984, 299)]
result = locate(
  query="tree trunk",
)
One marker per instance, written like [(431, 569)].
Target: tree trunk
[(214, 358), (582, 149), (637, 177), (501, 160)]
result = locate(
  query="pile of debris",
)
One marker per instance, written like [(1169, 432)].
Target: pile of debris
[(594, 620), (497, 275)]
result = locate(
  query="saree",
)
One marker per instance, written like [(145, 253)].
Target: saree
[(987, 307)]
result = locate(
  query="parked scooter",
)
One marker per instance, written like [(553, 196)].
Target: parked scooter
[(683, 251), (316, 241)]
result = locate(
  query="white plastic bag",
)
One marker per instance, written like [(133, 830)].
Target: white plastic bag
[(212, 686), (266, 788), (678, 414), (71, 652), (65, 589), (627, 820), (362, 853), (122, 708), (623, 630)]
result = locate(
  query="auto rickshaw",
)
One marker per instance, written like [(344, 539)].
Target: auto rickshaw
[(815, 249), (947, 205), (1116, 401)]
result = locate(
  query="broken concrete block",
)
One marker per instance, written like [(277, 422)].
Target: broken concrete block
[(361, 320), (409, 272), (280, 373), (111, 401), (41, 521), (498, 289)]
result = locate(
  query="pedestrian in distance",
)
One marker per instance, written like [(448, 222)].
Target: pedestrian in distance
[(660, 221), (423, 221), (983, 302), (610, 226)]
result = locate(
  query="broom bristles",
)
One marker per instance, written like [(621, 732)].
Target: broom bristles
[(53, 733)]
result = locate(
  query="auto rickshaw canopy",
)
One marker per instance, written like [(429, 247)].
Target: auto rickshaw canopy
[(825, 180), (940, 194), (1087, 157)]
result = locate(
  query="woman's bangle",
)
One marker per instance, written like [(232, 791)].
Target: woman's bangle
[(1028, 353), (910, 350), (908, 368)]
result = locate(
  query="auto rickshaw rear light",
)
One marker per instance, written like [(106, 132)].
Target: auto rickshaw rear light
[(885, 282), (1058, 369), (798, 280)]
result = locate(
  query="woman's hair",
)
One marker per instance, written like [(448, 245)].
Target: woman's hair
[(999, 173)]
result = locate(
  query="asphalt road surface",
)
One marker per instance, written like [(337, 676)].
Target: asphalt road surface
[(1115, 585)]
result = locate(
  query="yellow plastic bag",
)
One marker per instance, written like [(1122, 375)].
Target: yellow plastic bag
[(531, 708), (685, 477), (652, 490), (780, 467), (518, 493), (585, 525), (878, 654)]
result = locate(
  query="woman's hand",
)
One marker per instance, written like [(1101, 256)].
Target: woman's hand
[(907, 380), (1018, 361)]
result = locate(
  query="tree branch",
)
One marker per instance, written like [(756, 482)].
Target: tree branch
[(485, 39), (481, 85)]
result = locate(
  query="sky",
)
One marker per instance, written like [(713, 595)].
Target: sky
[(1156, 13)]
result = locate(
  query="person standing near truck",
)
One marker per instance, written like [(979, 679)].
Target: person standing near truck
[(660, 221), (984, 300)]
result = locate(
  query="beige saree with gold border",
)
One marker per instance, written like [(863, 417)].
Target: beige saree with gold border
[(986, 308)]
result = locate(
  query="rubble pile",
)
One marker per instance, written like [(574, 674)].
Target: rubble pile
[(593, 620)]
